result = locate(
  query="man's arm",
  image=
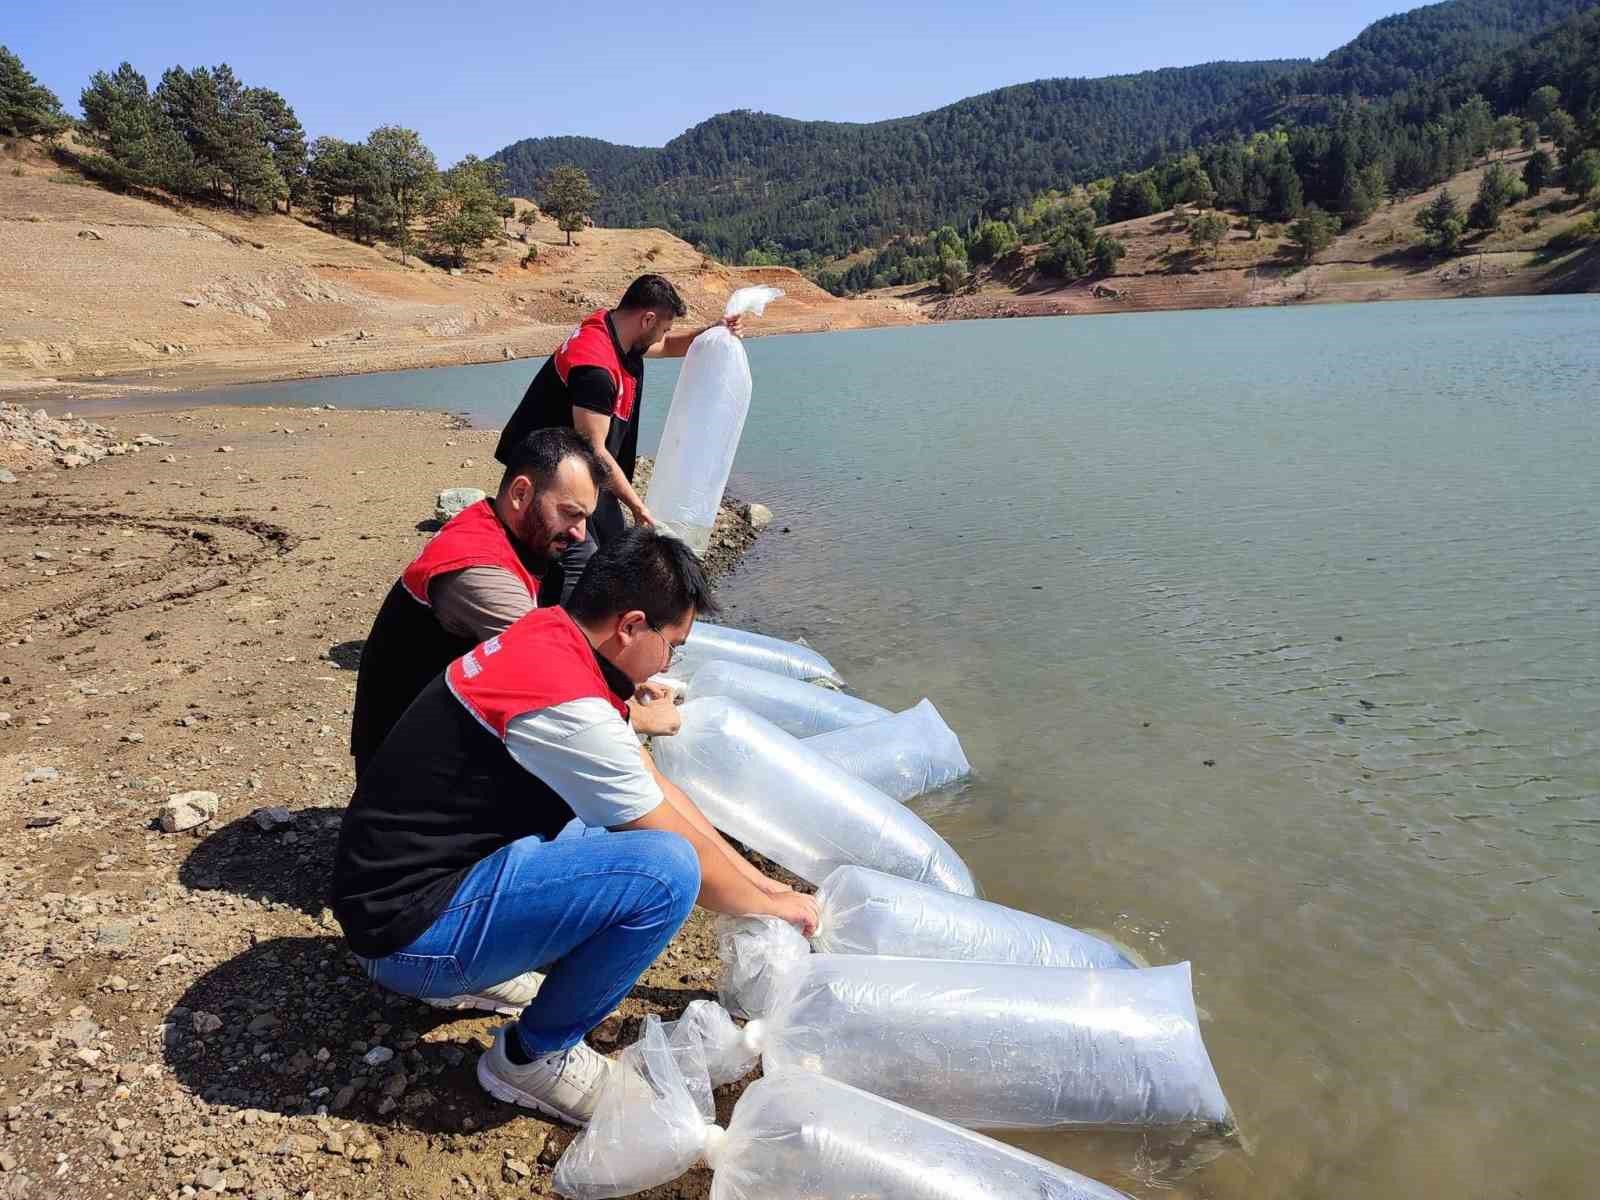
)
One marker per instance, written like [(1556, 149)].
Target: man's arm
[(676, 345), (690, 812), (593, 427), (722, 888), (479, 602), (585, 752)]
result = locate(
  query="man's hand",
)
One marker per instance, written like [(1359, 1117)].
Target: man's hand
[(641, 515), (734, 324), (796, 908), (654, 716)]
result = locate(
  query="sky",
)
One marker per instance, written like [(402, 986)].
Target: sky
[(472, 77)]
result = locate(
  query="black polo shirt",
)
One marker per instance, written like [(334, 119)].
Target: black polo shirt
[(549, 401)]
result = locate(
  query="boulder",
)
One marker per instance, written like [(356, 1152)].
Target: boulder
[(452, 500), (759, 516), (187, 810)]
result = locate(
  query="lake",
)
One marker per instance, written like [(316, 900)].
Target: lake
[(1274, 637)]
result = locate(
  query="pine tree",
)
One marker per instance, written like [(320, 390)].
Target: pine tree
[(1442, 224), (285, 140), (1538, 172), (27, 107), (1312, 232)]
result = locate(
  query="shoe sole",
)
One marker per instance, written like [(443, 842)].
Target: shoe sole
[(501, 1090), (477, 1004)]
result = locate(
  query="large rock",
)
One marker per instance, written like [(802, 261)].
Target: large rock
[(188, 810), (453, 500), (759, 516)]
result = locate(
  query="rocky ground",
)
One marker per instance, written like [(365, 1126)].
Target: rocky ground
[(178, 1014)]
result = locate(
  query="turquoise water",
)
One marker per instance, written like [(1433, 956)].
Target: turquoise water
[(1348, 555)]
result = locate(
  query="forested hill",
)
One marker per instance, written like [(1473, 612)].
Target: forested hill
[(743, 178), (746, 179), (1389, 56)]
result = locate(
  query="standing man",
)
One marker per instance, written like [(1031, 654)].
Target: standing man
[(449, 880), (594, 384), (475, 576)]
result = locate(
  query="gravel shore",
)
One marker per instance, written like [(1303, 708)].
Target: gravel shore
[(179, 1016)]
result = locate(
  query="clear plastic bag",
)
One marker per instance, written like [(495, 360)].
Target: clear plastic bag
[(793, 1136), (722, 643), (996, 1045), (868, 912), (902, 755), (794, 706), (762, 960), (764, 788), (704, 423)]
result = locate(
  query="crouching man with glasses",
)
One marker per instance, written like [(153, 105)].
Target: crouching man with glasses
[(449, 880)]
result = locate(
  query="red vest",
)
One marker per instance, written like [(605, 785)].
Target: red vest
[(591, 345), (474, 537), (540, 661)]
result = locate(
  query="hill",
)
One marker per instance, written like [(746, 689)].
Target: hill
[(744, 180), (102, 285), (1542, 245)]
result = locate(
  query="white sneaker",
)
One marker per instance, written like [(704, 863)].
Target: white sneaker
[(565, 1085), (508, 998)]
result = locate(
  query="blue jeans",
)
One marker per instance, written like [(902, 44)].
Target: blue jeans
[(591, 912)]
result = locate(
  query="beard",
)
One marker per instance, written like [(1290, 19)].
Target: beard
[(541, 546)]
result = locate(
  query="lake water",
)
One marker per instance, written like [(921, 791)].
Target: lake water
[(1274, 636)]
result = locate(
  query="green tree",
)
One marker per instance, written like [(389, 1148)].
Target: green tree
[(1312, 232), (1476, 121), (407, 173), (1066, 258), (247, 163), (1108, 252), (1207, 231), (1541, 104), (136, 145), (505, 210), (1364, 191), (995, 240), (27, 107), (346, 183), (1563, 131), (527, 219), (285, 139), (1538, 172), (1442, 224), (567, 196), (1498, 189), (1583, 174), (1507, 133), (464, 211)]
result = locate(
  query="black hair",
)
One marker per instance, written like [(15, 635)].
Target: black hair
[(655, 293), (542, 451), (642, 569)]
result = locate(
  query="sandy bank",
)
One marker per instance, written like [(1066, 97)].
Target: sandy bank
[(175, 1009)]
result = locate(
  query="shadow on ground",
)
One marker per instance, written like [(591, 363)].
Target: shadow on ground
[(288, 867), (287, 1027), (347, 654)]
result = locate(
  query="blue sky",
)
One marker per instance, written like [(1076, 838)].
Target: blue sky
[(472, 77)]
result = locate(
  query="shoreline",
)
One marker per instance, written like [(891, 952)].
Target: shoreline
[(183, 1004), (209, 385)]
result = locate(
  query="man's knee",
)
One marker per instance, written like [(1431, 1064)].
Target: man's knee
[(675, 865)]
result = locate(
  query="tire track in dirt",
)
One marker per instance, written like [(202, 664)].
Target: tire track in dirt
[(222, 549)]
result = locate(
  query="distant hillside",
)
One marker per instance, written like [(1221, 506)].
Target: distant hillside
[(1391, 55), (744, 179)]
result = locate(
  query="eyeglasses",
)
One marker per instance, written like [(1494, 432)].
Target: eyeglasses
[(670, 648)]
